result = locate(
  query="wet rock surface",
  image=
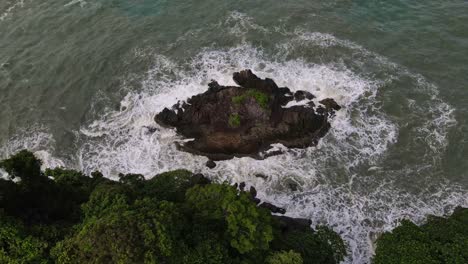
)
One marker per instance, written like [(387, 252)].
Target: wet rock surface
[(210, 164), (244, 120)]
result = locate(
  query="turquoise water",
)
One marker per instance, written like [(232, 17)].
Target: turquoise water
[(81, 80)]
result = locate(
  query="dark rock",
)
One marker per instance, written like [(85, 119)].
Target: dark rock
[(169, 116), (330, 105), (293, 186), (259, 175), (288, 223), (256, 200), (242, 186), (273, 208), (233, 121), (210, 164), (150, 129), (253, 191), (302, 95), (247, 79)]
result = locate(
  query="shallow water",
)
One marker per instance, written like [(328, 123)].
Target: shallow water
[(80, 83)]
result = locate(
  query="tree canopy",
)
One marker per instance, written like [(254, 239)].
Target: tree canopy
[(440, 240), (64, 216)]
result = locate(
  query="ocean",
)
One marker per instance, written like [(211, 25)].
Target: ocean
[(81, 80)]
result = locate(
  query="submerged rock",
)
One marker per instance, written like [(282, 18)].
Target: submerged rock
[(210, 164), (263, 176), (244, 120)]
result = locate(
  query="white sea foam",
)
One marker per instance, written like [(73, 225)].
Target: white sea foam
[(322, 80), (3, 174), (74, 2), (10, 9), (36, 139), (238, 23)]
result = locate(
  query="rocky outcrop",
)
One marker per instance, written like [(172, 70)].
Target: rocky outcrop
[(244, 120)]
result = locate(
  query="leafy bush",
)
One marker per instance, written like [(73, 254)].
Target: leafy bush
[(261, 98), (284, 257), (440, 240), (169, 186), (248, 226), (18, 247), (36, 199), (139, 233), (175, 217), (307, 243), (335, 242)]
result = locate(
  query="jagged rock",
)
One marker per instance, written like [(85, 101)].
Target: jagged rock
[(330, 105), (273, 208), (210, 164), (302, 95), (244, 120)]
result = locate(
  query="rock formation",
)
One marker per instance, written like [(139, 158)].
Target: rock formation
[(244, 120)]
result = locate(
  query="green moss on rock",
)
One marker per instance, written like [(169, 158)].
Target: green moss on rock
[(261, 98), (234, 120)]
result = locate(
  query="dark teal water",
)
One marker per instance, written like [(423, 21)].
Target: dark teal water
[(81, 80)]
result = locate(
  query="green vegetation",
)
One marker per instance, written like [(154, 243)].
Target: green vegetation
[(63, 216), (284, 257), (261, 98), (234, 120), (310, 245), (440, 240)]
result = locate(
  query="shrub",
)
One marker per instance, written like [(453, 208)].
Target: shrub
[(18, 247), (175, 217), (284, 257), (36, 198), (261, 98), (145, 232), (169, 186), (248, 227), (440, 240)]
